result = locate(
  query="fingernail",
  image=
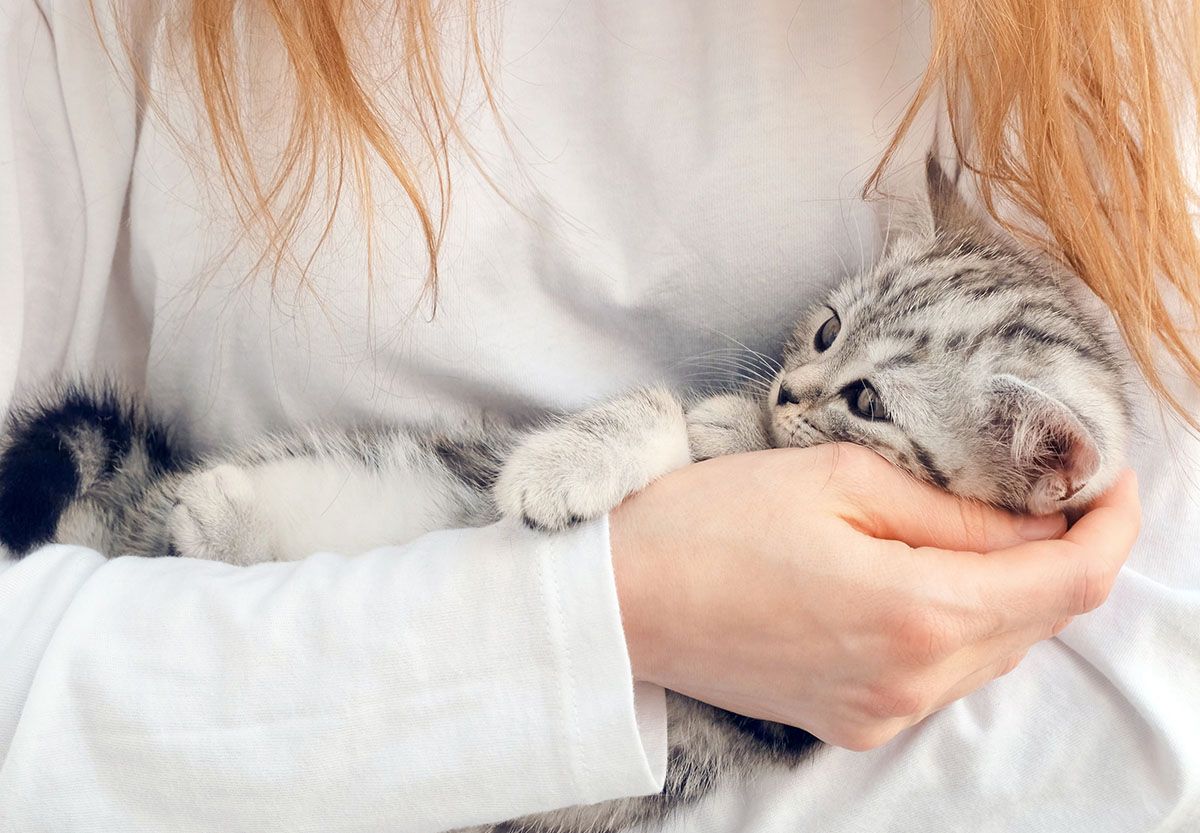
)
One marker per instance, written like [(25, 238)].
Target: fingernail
[(1041, 527)]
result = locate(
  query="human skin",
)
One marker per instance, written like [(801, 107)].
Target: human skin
[(824, 588)]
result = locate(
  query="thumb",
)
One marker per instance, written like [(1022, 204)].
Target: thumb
[(1048, 581), (887, 503)]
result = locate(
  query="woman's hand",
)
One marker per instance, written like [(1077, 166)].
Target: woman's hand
[(826, 589)]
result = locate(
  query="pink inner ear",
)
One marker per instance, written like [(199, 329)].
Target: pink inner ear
[(1069, 459), (1071, 455), (1048, 493), (1049, 442)]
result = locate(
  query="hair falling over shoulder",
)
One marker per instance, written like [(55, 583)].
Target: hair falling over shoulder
[(1073, 113)]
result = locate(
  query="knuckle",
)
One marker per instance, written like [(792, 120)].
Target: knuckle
[(864, 738), (895, 699), (1010, 664), (919, 637)]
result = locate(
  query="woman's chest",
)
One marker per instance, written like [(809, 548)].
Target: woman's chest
[(673, 184)]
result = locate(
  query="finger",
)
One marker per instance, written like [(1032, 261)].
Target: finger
[(971, 682), (1047, 581), (980, 677), (992, 650), (885, 502)]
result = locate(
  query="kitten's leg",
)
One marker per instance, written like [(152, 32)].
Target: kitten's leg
[(585, 465), (725, 424), (216, 517)]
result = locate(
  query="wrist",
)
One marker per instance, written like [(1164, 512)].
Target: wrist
[(630, 562)]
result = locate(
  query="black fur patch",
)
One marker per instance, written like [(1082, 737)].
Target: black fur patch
[(39, 475), (685, 783), (788, 742), (472, 463), (158, 449), (38, 480)]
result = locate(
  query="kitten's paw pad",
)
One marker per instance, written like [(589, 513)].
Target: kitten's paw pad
[(216, 517), (725, 424)]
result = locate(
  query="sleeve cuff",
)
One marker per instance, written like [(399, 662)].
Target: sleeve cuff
[(618, 726)]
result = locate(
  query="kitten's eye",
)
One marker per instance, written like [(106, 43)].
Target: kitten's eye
[(828, 333), (864, 402)]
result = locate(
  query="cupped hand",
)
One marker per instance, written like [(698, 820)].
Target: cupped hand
[(824, 588)]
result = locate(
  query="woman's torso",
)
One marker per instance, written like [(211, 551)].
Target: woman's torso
[(687, 177), (690, 179)]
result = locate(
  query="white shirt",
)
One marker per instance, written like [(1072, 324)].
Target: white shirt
[(684, 177)]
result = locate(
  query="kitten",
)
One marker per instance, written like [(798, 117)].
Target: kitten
[(962, 358)]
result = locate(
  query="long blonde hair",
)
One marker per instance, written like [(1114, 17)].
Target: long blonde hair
[(1072, 112)]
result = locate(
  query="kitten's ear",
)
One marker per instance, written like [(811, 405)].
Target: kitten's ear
[(952, 217), (1050, 446)]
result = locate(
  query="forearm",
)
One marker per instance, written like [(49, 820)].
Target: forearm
[(472, 676)]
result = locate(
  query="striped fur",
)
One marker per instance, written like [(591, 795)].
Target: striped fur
[(1002, 379)]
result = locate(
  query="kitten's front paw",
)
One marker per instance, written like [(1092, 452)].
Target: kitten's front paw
[(216, 517), (725, 424), (542, 483), (585, 466)]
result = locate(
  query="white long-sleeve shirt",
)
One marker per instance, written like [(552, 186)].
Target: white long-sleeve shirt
[(684, 177)]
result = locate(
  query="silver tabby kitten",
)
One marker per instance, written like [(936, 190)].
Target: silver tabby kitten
[(964, 359)]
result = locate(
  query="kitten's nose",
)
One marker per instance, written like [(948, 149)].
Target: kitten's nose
[(786, 396)]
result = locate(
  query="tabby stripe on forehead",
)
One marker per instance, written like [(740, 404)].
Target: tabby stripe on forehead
[(900, 360), (916, 350), (912, 299), (920, 339), (1081, 338), (935, 474), (1012, 330), (975, 282), (894, 296), (954, 342), (885, 317)]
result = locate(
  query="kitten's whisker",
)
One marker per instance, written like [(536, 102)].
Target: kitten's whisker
[(730, 381), (725, 358), (767, 361), (727, 381), (736, 366), (842, 259), (741, 353)]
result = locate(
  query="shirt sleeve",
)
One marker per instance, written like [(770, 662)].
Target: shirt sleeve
[(471, 676)]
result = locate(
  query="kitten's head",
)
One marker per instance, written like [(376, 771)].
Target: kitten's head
[(965, 360)]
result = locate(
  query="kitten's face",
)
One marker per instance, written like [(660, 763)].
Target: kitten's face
[(970, 366)]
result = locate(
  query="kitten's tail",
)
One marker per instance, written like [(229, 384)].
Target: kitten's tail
[(74, 443)]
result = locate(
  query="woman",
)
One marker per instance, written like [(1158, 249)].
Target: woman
[(635, 186)]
